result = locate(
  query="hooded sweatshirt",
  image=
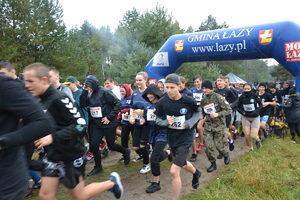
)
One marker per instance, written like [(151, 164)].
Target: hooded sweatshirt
[(100, 103), (156, 133), (292, 108)]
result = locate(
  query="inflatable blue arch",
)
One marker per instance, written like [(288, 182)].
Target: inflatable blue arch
[(280, 40)]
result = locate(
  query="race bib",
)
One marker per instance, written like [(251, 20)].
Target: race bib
[(125, 118), (197, 96), (96, 112), (178, 122), (138, 116), (209, 108), (249, 107), (150, 115)]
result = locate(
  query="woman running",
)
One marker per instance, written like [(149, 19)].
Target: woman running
[(249, 106)]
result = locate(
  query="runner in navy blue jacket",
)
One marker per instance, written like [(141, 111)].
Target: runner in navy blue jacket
[(157, 135), (140, 133)]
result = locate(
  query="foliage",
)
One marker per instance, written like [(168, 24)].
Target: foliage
[(156, 26), (280, 73), (31, 31), (251, 67), (211, 24)]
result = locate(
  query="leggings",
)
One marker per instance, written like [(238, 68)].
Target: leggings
[(294, 128), (140, 136), (157, 156), (126, 129), (96, 135)]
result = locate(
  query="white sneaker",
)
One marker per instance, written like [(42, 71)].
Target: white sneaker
[(145, 169), (137, 159)]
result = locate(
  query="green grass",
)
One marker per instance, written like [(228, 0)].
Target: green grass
[(272, 172)]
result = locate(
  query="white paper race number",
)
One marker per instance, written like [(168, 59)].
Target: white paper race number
[(125, 117), (150, 115), (209, 108), (249, 107), (197, 96), (96, 112), (178, 122)]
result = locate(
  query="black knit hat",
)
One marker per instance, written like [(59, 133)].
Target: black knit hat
[(207, 84), (272, 85), (262, 84)]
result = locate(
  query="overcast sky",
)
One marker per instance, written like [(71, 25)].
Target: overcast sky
[(236, 13)]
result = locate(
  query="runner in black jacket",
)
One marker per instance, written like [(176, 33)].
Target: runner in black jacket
[(249, 106), (15, 104), (104, 108), (64, 162)]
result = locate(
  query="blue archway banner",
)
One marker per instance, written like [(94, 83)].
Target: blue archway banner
[(280, 40)]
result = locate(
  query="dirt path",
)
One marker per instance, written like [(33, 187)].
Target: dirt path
[(135, 184)]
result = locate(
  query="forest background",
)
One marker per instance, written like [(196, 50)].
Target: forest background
[(33, 31)]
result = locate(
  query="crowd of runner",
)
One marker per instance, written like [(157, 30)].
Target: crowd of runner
[(70, 123)]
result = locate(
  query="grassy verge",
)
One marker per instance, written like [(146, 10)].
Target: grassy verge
[(272, 172)]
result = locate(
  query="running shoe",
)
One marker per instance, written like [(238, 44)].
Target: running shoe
[(105, 152), (145, 169), (89, 156), (153, 187), (199, 147), (137, 159), (258, 144), (102, 146), (196, 177), (127, 156), (231, 145), (37, 185), (265, 134), (28, 193), (193, 158), (117, 189), (293, 140)]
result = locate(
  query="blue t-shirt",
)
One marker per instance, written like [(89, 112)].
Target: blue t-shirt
[(137, 102), (156, 133), (126, 103), (186, 92), (197, 94)]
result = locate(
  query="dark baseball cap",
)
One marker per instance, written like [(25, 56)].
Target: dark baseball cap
[(172, 78)]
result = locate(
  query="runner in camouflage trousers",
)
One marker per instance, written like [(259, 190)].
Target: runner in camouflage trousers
[(215, 109)]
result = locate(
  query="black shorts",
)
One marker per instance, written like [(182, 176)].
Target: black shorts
[(180, 154), (228, 120), (67, 171)]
